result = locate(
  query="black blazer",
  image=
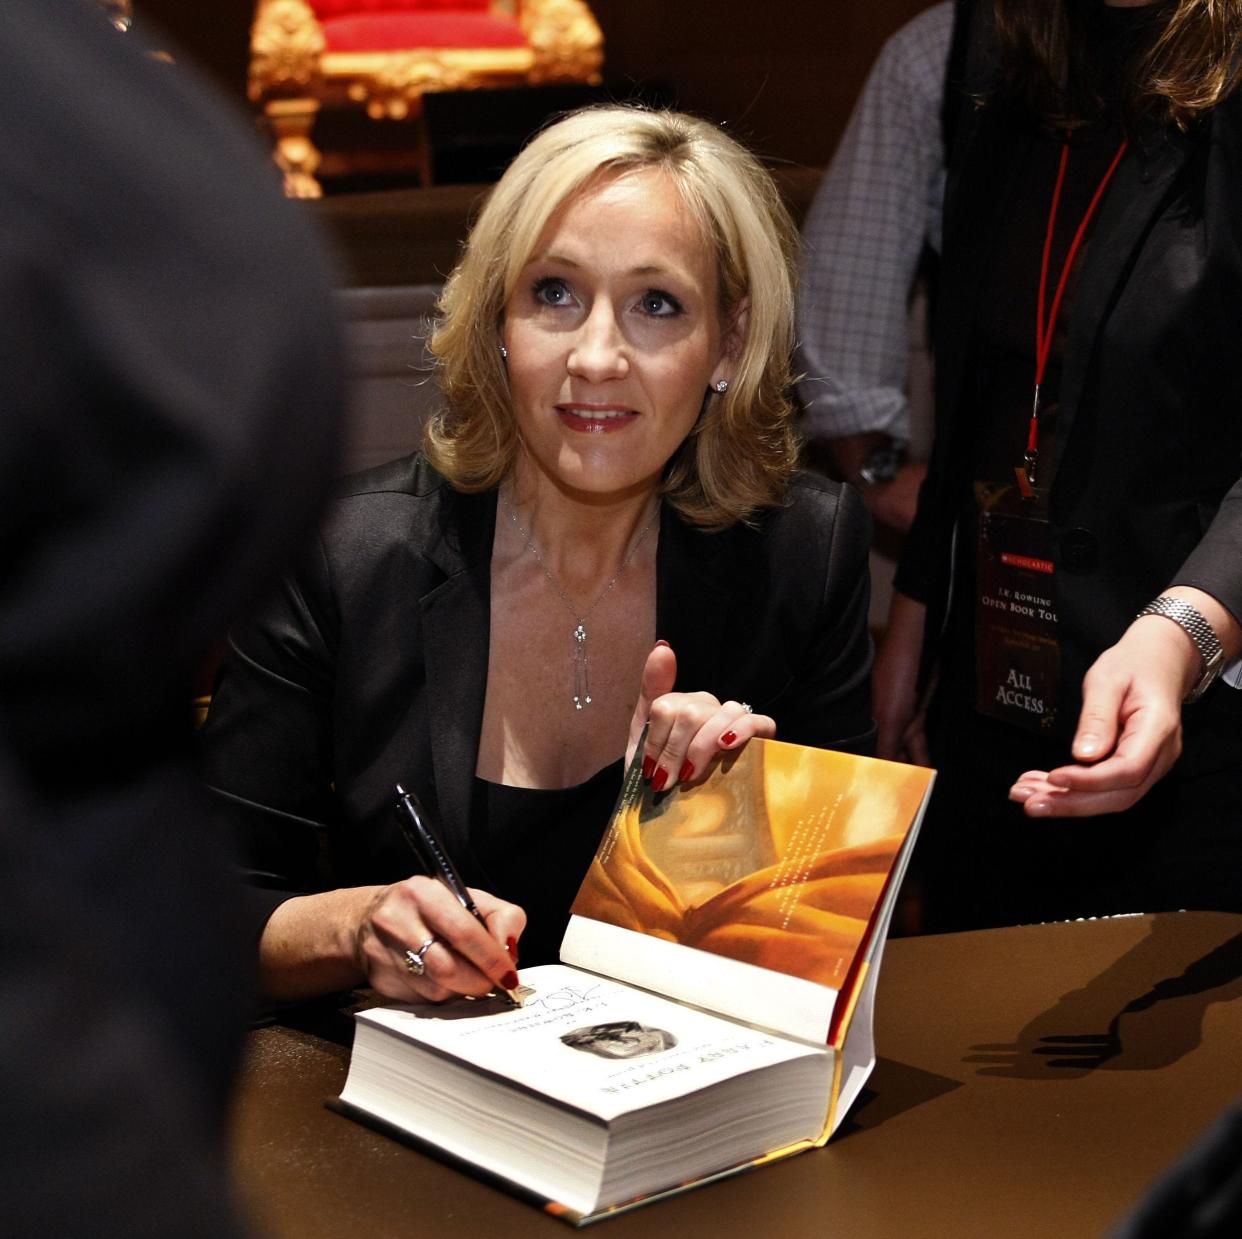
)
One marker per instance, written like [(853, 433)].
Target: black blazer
[(370, 664), (1149, 435)]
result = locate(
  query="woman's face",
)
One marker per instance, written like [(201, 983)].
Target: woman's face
[(614, 335)]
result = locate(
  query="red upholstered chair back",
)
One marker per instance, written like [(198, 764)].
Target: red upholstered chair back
[(386, 55), (325, 10), (394, 25)]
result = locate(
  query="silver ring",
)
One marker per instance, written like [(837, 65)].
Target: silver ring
[(414, 959), (746, 706)]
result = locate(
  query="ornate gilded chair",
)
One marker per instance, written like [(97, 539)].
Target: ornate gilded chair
[(385, 54)]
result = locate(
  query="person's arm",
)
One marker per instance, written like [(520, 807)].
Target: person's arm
[(268, 753), (893, 501), (318, 944), (898, 704), (1130, 728), (877, 208), (267, 742)]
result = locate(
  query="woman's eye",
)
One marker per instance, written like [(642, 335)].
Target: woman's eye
[(552, 291), (660, 304)]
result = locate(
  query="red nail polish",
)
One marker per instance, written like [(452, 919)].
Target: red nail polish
[(686, 773), (511, 947), (510, 980), (662, 642), (648, 768), (659, 779), (730, 737)]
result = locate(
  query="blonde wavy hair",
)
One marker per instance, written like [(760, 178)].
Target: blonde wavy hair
[(743, 448)]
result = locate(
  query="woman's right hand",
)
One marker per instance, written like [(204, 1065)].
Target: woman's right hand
[(318, 944), (464, 958), (901, 734)]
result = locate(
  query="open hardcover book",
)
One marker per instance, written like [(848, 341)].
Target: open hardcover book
[(713, 1007)]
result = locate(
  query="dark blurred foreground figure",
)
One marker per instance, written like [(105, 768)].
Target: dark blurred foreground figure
[(168, 397), (1201, 1196), (1085, 469)]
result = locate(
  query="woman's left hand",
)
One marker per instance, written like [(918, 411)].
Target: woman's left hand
[(687, 730)]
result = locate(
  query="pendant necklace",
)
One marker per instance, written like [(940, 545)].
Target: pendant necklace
[(582, 678)]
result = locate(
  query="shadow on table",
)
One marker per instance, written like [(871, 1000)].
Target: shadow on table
[(1122, 1020), (894, 1088)]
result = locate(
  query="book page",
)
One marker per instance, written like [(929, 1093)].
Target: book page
[(858, 1049), (589, 1043), (777, 861)]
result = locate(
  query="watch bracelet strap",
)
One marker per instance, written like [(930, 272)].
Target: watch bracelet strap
[(1192, 622)]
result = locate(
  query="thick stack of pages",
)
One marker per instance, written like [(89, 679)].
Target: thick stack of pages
[(647, 1093), (718, 1011)]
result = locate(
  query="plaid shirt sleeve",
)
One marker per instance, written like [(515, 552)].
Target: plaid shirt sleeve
[(879, 202)]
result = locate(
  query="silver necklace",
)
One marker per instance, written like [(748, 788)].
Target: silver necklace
[(582, 677)]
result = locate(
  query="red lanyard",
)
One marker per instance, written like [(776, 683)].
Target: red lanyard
[(1044, 327)]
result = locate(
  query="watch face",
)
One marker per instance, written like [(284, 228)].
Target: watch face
[(881, 464), (1212, 668)]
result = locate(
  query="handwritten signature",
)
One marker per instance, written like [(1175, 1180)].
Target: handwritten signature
[(563, 999)]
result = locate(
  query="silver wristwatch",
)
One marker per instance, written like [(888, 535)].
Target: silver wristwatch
[(881, 464), (1191, 621)]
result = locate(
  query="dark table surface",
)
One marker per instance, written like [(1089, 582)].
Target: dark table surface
[(1030, 1082)]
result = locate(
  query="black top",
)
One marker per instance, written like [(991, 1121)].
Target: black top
[(534, 845), (1005, 324), (1147, 490), (1005, 317), (369, 667), (997, 402)]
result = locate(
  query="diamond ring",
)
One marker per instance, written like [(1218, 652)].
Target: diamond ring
[(414, 960)]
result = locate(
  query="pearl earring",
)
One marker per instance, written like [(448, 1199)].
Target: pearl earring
[(504, 353), (720, 386)]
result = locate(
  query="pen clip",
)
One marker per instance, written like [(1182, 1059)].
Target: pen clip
[(427, 845)]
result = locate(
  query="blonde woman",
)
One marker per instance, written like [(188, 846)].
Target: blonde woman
[(606, 526)]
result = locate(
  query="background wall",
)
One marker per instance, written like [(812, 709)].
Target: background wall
[(783, 73)]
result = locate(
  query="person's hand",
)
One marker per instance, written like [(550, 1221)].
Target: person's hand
[(1130, 729), (894, 503), (687, 730), (464, 958), (900, 725)]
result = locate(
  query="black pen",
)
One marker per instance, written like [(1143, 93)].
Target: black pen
[(426, 844)]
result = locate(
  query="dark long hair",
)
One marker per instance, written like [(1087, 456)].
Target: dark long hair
[(1189, 65)]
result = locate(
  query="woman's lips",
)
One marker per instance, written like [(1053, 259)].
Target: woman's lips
[(598, 419)]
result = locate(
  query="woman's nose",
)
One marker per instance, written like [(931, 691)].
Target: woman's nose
[(599, 348)]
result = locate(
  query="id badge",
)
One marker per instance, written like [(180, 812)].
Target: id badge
[(1017, 658)]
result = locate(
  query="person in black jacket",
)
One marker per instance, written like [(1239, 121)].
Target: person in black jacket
[(1085, 469), (168, 401), (606, 527)]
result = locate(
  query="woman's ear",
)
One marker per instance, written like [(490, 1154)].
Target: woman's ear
[(735, 330)]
